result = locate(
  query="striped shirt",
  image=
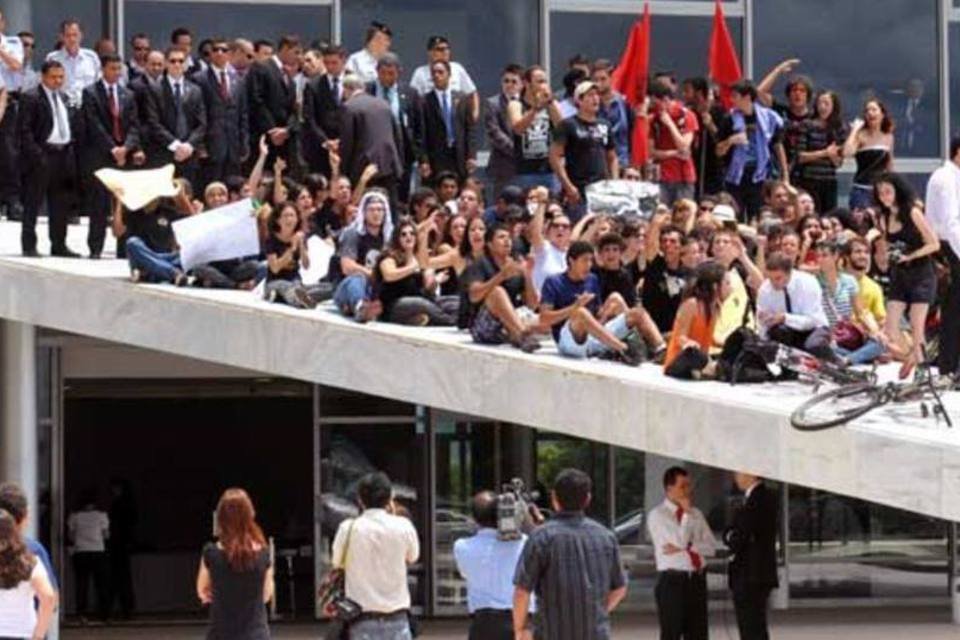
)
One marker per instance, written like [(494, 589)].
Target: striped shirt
[(571, 563), (838, 302)]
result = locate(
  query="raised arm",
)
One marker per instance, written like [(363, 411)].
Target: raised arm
[(765, 88)]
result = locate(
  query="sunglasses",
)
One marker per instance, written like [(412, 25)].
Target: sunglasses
[(135, 48), (560, 225), (221, 49)]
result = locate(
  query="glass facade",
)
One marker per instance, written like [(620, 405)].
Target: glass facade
[(597, 35), (862, 52), (269, 20)]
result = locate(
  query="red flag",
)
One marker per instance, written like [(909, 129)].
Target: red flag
[(630, 79), (723, 61)]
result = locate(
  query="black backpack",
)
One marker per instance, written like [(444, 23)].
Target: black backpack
[(745, 358)]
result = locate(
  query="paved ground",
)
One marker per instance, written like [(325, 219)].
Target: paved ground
[(848, 624)]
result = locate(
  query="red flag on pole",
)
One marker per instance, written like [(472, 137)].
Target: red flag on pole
[(723, 61), (630, 79)]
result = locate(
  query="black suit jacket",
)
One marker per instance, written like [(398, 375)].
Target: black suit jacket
[(321, 112), (36, 125), (369, 134), (435, 131), (99, 125), (753, 540), (228, 135), (500, 136), (411, 123), (162, 118), (271, 100)]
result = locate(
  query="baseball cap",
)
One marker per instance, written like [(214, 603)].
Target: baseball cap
[(583, 88), (724, 213)]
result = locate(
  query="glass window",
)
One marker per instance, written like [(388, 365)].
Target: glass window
[(861, 52), (556, 453), (45, 18), (468, 26), (228, 19), (673, 43)]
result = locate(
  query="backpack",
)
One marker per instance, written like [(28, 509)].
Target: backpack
[(746, 358)]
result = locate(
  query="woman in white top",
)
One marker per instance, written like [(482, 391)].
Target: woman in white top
[(22, 578)]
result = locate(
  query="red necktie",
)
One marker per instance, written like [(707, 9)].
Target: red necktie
[(115, 116), (223, 85), (695, 558)]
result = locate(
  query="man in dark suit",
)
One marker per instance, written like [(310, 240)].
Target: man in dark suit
[(271, 96), (753, 569), (142, 87), (226, 146), (49, 165), (176, 118), (112, 140), (369, 135), (448, 129), (502, 166), (407, 113), (321, 105)]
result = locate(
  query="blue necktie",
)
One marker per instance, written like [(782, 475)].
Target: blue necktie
[(448, 119)]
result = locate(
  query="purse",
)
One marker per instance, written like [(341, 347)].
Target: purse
[(333, 598), (846, 333)]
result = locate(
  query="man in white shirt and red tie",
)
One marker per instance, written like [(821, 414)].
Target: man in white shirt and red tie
[(682, 542), (943, 212)]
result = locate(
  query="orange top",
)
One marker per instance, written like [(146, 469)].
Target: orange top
[(701, 332)]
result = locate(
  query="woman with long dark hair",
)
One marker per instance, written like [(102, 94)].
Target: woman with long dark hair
[(870, 143), (405, 280), (453, 259), (286, 251), (22, 579), (235, 576), (821, 151), (692, 335), (913, 281)]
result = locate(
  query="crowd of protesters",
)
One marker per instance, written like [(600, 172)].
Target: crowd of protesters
[(339, 146)]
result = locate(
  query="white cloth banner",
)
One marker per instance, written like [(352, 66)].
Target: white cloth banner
[(137, 189), (219, 234), (320, 253)]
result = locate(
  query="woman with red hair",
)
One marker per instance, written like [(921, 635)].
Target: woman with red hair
[(236, 577)]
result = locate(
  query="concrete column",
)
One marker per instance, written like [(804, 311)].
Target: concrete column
[(953, 567), (18, 14), (18, 411)]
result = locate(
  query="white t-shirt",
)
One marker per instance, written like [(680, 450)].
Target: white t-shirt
[(89, 530), (548, 261), (18, 617)]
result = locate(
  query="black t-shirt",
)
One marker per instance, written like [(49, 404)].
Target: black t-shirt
[(663, 289), (325, 222), (710, 167), (619, 281), (585, 148), (278, 247), (389, 292), (481, 271), (154, 227), (793, 132)]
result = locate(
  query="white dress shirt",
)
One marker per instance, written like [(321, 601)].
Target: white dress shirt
[(13, 80), (692, 533), (89, 530), (422, 81), (943, 204), (81, 71), (806, 303), (60, 133), (381, 547), (363, 64)]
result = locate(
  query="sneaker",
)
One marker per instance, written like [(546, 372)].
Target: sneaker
[(135, 275), (304, 298), (659, 354), (632, 356), (181, 280), (526, 343), (368, 310)]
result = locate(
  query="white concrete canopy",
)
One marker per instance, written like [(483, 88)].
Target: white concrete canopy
[(891, 456)]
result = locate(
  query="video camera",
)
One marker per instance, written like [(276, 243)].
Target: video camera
[(513, 510)]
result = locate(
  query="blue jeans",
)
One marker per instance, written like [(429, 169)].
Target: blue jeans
[(527, 181), (395, 627), (351, 291), (870, 351), (153, 265)]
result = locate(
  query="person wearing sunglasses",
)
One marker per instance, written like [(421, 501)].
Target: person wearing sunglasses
[(136, 65)]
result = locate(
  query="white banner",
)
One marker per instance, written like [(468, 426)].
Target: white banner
[(219, 234), (136, 189)]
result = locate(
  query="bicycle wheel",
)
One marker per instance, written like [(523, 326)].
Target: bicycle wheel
[(835, 407)]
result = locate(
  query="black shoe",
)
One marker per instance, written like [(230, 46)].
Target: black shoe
[(31, 253), (64, 252), (15, 212), (94, 255)]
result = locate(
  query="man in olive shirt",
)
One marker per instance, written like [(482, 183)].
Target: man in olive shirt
[(573, 565)]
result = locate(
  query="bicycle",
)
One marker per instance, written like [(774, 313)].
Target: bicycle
[(848, 402)]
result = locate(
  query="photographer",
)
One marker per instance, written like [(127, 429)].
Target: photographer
[(487, 562)]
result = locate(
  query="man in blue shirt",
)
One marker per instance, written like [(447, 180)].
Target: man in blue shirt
[(488, 564), (14, 501), (570, 304)]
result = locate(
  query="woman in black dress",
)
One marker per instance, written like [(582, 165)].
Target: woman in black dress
[(236, 576)]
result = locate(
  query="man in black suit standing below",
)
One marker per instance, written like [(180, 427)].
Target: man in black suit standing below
[(176, 118), (321, 105), (271, 96), (46, 149), (448, 129), (405, 107), (369, 135), (503, 164), (753, 568), (226, 146), (112, 140)]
